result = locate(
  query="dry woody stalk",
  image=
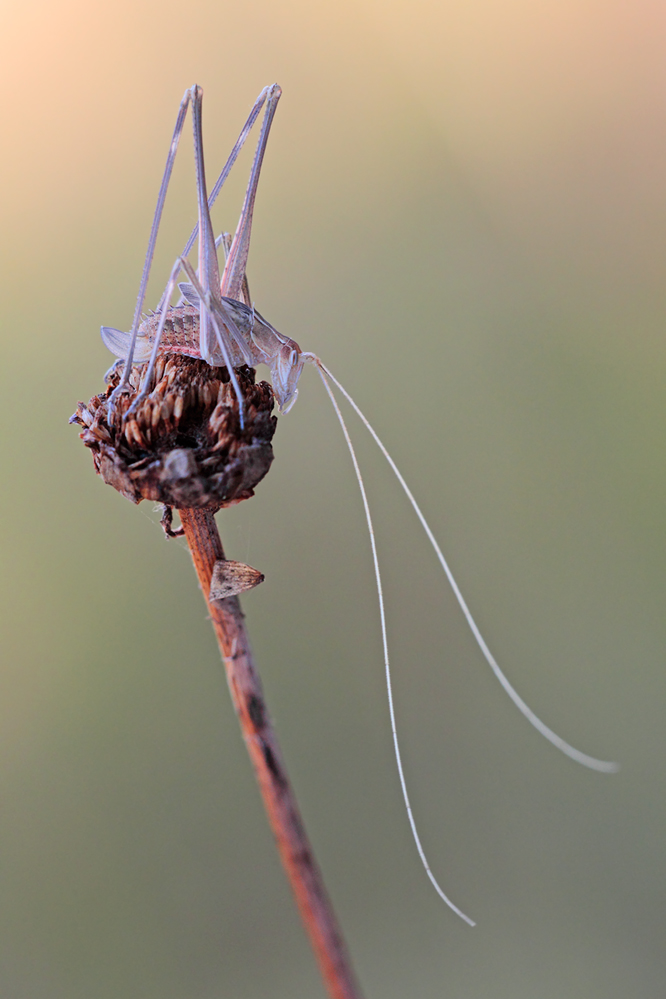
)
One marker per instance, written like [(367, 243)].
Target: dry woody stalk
[(184, 447)]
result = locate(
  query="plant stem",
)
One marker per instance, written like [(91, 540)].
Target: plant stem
[(283, 814)]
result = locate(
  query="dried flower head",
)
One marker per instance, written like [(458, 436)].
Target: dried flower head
[(184, 446)]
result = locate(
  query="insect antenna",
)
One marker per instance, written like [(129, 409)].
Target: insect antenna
[(603, 766), (323, 372)]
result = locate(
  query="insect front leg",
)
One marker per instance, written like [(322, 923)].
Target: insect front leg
[(286, 370)]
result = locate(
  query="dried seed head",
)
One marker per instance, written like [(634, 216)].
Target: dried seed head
[(184, 447)]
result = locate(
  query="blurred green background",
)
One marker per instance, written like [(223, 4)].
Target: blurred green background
[(463, 210)]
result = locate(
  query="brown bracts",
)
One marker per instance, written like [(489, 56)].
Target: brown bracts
[(184, 445)]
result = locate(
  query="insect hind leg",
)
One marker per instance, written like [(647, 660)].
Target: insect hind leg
[(226, 170), (234, 270), (225, 239), (123, 387)]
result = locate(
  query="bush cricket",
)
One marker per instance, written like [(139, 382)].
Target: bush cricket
[(215, 320)]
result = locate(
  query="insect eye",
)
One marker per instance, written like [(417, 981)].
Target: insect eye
[(293, 358)]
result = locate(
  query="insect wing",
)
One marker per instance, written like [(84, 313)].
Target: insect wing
[(119, 343)]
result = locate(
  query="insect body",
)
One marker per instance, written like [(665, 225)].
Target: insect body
[(256, 342), (216, 320)]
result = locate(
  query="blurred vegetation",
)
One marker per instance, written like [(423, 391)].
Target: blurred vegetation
[(463, 212)]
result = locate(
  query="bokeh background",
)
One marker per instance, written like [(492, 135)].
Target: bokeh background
[(463, 210)]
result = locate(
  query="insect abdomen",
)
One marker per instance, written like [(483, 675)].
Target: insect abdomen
[(180, 334)]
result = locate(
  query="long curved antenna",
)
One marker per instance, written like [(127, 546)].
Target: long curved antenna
[(603, 766), (389, 687)]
